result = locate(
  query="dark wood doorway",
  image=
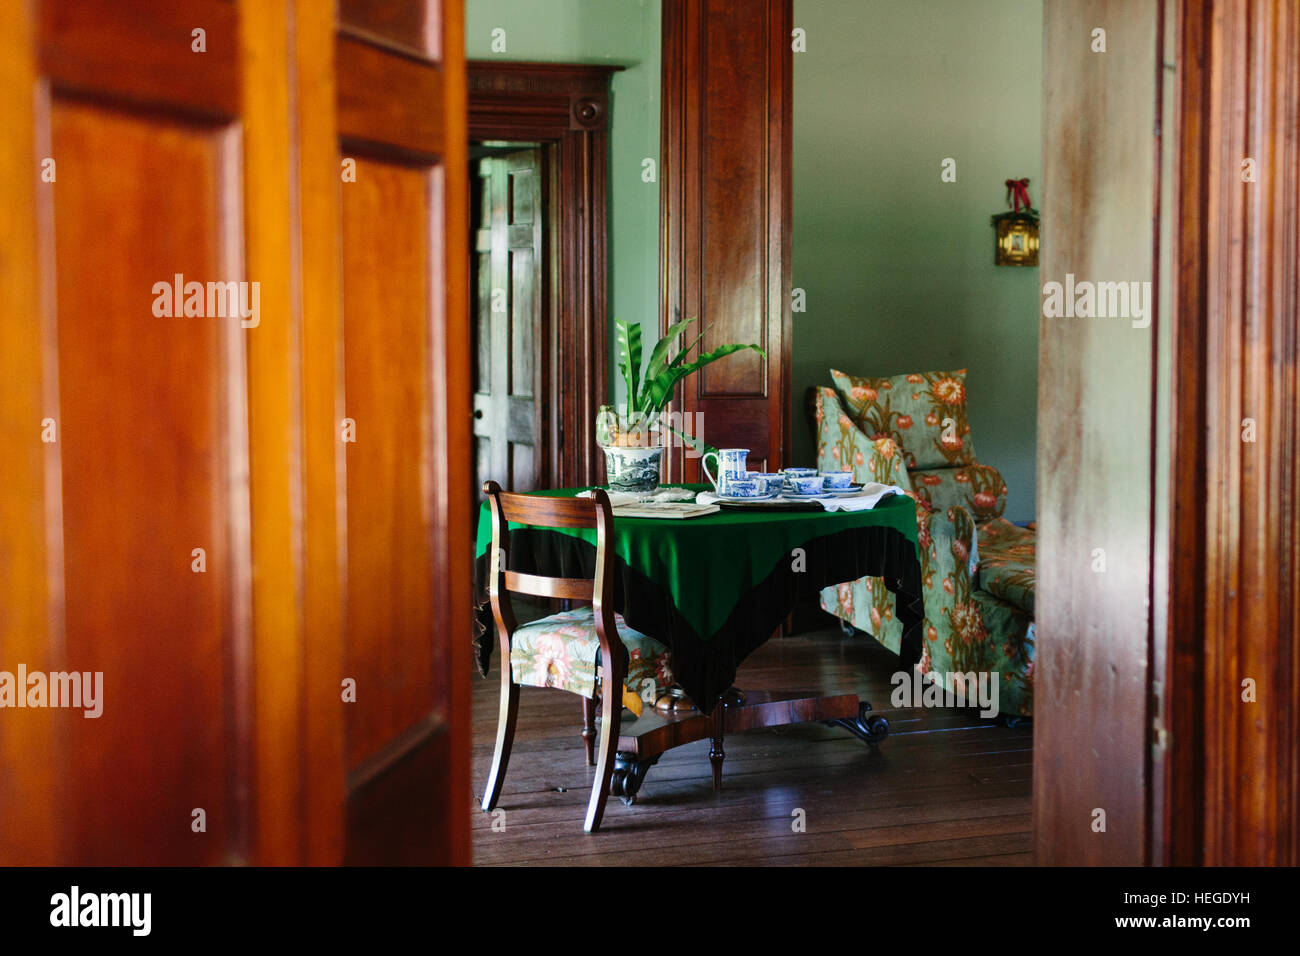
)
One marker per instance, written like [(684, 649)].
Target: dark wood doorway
[(562, 110), (1165, 725)]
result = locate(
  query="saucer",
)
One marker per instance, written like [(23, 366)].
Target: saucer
[(844, 492), (741, 499), (796, 496)]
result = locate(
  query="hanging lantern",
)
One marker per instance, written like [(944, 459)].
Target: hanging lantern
[(1017, 231)]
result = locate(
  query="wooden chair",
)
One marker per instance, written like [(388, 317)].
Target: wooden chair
[(596, 627)]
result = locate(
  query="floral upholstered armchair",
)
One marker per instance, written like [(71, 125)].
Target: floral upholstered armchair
[(977, 568)]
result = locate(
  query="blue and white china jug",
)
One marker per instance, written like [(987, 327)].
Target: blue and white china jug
[(731, 464)]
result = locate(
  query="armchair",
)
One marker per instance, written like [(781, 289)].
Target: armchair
[(959, 505)]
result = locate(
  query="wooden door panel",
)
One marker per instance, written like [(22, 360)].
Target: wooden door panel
[(141, 52), (386, 251), (174, 433), (732, 291), (510, 395), (153, 467), (406, 348), (414, 26), (725, 216)]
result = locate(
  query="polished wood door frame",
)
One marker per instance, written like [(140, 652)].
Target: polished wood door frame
[(1229, 770), (565, 107), (1153, 728)]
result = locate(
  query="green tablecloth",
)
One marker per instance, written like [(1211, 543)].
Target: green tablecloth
[(716, 587)]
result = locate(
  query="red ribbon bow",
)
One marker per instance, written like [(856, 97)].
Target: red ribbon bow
[(1019, 187)]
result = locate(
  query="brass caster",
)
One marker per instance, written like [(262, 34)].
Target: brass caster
[(674, 701)]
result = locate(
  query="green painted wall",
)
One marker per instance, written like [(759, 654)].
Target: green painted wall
[(621, 32), (897, 266)]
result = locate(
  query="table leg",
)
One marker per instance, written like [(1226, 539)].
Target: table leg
[(629, 774), (872, 729), (716, 753), (655, 733)]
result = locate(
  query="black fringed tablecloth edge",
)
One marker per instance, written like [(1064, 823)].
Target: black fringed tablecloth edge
[(706, 669)]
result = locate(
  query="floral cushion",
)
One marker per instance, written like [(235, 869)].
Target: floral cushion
[(562, 651), (980, 489), (1007, 555), (841, 446), (925, 413)]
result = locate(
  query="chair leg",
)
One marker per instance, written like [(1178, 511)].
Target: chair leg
[(589, 729), (611, 713), (505, 738)]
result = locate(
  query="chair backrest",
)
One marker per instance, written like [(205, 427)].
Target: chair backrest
[(550, 512)]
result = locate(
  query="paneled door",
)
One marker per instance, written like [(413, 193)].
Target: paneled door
[(182, 500), (406, 348), (511, 335), (725, 216)]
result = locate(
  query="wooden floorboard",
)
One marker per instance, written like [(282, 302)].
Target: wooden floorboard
[(947, 788)]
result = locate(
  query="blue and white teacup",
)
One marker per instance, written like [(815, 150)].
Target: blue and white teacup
[(807, 484), (796, 473), (838, 480), (771, 481), (743, 488)]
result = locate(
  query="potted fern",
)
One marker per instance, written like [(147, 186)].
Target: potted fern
[(632, 441)]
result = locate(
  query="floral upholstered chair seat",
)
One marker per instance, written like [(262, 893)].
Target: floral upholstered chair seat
[(912, 431), (562, 651)]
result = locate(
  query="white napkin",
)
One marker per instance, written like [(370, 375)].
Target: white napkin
[(864, 500), (617, 498)]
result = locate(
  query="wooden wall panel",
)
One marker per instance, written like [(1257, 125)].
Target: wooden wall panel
[(1091, 676), (725, 211)]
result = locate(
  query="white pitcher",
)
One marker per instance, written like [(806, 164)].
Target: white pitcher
[(731, 464)]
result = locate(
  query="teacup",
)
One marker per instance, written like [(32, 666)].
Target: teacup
[(807, 484), (838, 480), (743, 488), (797, 473), (771, 481)]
